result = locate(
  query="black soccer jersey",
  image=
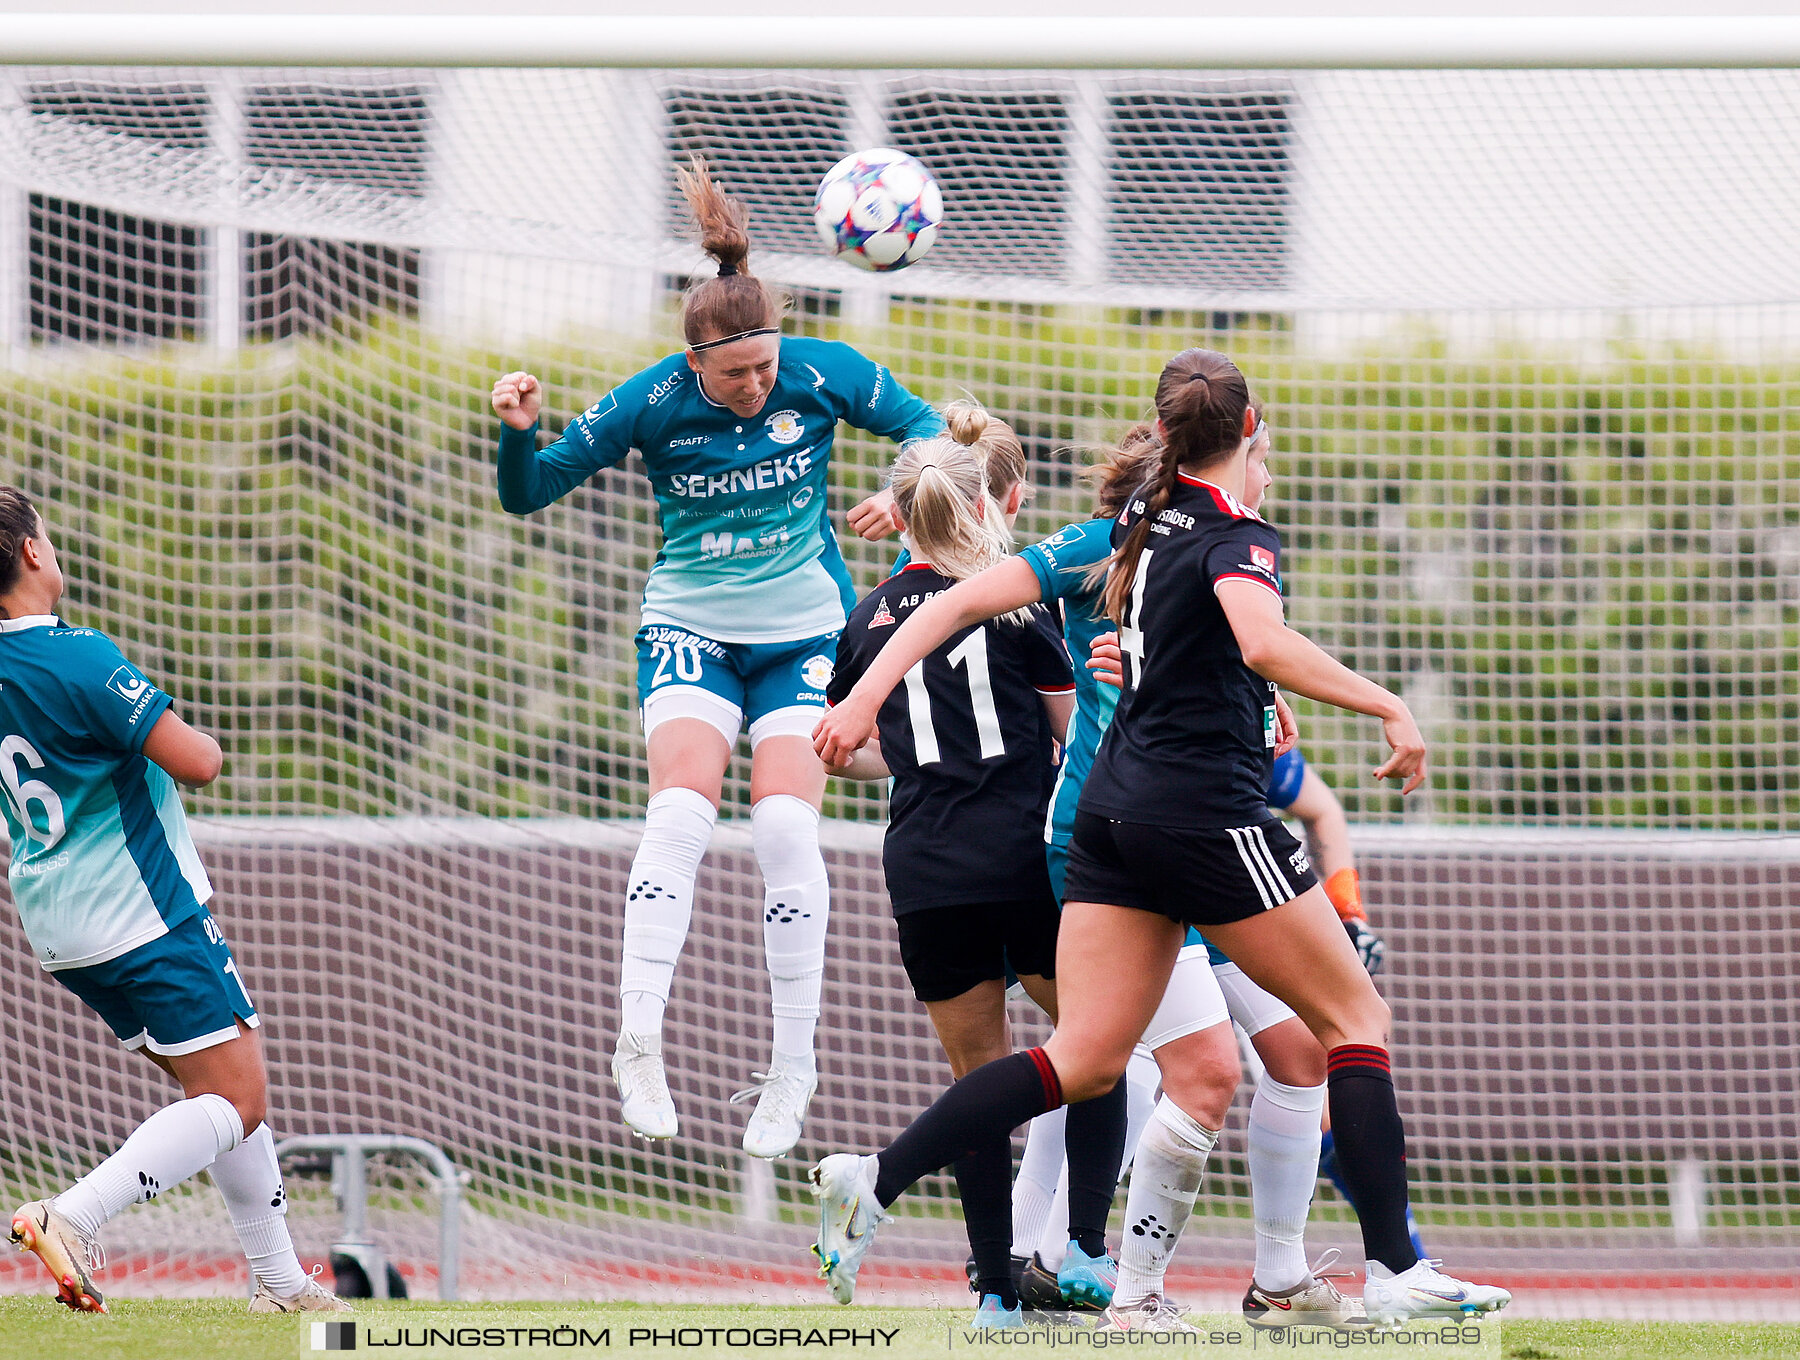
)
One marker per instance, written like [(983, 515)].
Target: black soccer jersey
[(969, 745), (1193, 741)]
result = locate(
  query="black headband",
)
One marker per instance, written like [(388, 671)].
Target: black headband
[(728, 339), (727, 269)]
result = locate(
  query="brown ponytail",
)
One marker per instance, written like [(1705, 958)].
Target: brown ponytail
[(1201, 398), (736, 300), (1123, 469), (18, 522)]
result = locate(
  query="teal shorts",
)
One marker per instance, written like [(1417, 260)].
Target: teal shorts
[(778, 688), (176, 995)]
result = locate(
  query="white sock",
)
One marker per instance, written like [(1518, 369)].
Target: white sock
[(1035, 1186), (659, 903), (249, 1177), (1053, 1245), (1142, 1080), (1284, 1168), (1171, 1162), (165, 1150), (784, 832)]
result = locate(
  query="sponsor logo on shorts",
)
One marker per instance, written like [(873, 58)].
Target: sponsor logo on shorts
[(817, 672), (785, 427), (1299, 861)]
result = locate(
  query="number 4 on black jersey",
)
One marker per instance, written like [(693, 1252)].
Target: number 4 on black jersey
[(1192, 743)]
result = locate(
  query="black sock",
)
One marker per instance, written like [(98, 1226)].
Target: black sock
[(1371, 1149), (1095, 1141), (984, 1184), (994, 1099)]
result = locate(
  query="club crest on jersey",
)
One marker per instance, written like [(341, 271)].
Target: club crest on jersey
[(817, 672), (785, 427), (881, 618), (1263, 558)]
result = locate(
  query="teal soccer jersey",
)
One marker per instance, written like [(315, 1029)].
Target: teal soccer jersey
[(748, 552), (102, 861), (1062, 562)]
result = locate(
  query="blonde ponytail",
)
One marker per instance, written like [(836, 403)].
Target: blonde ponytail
[(994, 443), (937, 485)]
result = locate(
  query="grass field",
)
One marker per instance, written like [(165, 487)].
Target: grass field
[(35, 1328)]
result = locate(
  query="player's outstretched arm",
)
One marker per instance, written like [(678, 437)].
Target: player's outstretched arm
[(1002, 588), (1276, 652), (191, 757)]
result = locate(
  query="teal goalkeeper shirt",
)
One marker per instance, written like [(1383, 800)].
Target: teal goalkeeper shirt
[(748, 551), (102, 861)]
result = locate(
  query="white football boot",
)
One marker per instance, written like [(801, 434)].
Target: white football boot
[(1314, 1302), (1152, 1313), (848, 1216), (1421, 1291), (644, 1099), (782, 1095), (312, 1297), (68, 1254)]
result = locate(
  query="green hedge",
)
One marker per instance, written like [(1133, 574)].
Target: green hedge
[(1585, 573)]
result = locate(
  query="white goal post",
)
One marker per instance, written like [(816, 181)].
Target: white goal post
[(1523, 298)]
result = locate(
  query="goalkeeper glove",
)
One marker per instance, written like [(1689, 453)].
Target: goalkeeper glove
[(1345, 891), (1368, 944)]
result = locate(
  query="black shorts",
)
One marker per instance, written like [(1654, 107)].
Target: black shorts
[(1200, 878), (951, 950)]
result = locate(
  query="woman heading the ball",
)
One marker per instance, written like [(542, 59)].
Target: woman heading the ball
[(1173, 830), (113, 898), (740, 621)]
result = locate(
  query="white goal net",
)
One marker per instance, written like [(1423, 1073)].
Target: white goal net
[(1530, 343)]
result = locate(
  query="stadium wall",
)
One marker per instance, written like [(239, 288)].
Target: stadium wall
[(1589, 1027)]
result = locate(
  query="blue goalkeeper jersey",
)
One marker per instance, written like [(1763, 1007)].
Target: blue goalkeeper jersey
[(748, 552), (102, 861), (1062, 562)]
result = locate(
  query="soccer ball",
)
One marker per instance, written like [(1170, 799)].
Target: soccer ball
[(878, 209)]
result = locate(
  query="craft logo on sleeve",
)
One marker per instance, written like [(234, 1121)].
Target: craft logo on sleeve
[(334, 1336), (128, 684)]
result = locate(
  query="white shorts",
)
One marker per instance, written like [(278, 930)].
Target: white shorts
[(1254, 1009), (1192, 1003), (690, 701)]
